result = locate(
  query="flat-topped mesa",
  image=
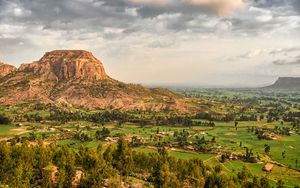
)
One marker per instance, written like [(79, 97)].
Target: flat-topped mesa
[(287, 82), (67, 64), (6, 69)]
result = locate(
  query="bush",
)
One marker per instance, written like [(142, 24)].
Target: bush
[(4, 119)]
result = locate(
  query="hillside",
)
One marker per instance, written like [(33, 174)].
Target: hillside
[(76, 78), (6, 69), (286, 83)]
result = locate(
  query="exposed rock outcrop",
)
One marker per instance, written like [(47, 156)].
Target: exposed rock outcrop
[(6, 69), (78, 79), (67, 64)]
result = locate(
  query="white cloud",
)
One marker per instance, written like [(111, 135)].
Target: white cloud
[(131, 11)]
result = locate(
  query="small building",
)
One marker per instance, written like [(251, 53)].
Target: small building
[(270, 136), (108, 139), (164, 133), (268, 167), (19, 124)]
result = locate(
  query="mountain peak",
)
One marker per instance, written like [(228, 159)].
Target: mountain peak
[(6, 69), (67, 64), (78, 79)]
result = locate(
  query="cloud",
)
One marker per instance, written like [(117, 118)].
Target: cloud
[(281, 62), (161, 44), (150, 2), (284, 51), (254, 53), (221, 7), (291, 52), (122, 32)]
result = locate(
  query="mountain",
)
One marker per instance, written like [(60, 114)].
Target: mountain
[(6, 69), (76, 78), (286, 83)]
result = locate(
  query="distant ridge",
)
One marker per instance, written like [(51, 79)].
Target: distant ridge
[(286, 83)]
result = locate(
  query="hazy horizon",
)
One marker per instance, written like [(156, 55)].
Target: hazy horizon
[(195, 43)]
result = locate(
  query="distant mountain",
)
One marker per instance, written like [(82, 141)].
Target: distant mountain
[(286, 83), (76, 78)]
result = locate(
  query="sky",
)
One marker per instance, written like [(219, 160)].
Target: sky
[(205, 43)]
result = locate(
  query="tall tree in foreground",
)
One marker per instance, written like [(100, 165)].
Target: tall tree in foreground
[(122, 158)]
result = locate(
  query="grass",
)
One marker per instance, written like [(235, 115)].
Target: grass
[(6, 130), (290, 177), (190, 155), (76, 144), (227, 138), (180, 154)]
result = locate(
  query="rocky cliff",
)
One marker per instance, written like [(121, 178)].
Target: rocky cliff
[(6, 69), (76, 78), (67, 64)]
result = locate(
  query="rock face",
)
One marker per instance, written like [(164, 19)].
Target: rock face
[(6, 69), (286, 83), (76, 78), (67, 64)]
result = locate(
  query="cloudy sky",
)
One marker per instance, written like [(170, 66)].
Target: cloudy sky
[(174, 42)]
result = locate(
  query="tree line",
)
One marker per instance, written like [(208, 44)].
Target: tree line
[(23, 165)]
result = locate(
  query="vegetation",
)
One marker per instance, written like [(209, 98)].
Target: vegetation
[(32, 167), (239, 139)]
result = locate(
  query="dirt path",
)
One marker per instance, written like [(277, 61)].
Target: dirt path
[(5, 139)]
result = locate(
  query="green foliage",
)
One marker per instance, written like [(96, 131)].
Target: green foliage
[(122, 158), (100, 135), (4, 119)]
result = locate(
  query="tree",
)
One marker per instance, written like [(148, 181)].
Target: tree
[(32, 136), (245, 174), (164, 178), (77, 127), (4, 119), (223, 180), (264, 183), (102, 134), (236, 124), (46, 179), (267, 149), (283, 154), (280, 184), (213, 139), (108, 154), (122, 158), (64, 158), (61, 178)]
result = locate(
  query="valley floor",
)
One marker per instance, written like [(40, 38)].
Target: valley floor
[(227, 139)]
